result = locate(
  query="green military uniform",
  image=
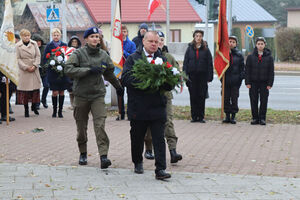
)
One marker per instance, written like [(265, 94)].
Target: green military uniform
[(89, 91), (169, 126)]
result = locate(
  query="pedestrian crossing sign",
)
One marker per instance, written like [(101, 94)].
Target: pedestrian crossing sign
[(52, 15)]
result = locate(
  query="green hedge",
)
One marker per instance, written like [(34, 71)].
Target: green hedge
[(236, 31), (288, 44)]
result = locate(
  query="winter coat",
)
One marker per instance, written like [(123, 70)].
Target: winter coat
[(203, 64), (28, 56), (235, 73), (138, 40), (76, 38), (86, 84), (36, 37), (260, 71), (56, 82), (142, 105), (128, 47)]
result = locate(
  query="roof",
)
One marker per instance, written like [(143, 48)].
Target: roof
[(77, 17), (136, 11), (293, 9), (242, 11)]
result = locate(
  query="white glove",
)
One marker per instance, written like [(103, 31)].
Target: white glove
[(3, 79)]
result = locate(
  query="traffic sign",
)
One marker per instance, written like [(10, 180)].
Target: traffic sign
[(52, 15), (249, 31)]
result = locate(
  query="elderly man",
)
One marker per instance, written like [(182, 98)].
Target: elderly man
[(146, 110)]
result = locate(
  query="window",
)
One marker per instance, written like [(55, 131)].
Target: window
[(175, 35)]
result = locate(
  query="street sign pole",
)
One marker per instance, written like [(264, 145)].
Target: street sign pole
[(229, 17), (206, 21), (51, 24), (63, 21)]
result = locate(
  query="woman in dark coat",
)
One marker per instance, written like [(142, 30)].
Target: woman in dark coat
[(259, 79), (198, 66), (57, 84)]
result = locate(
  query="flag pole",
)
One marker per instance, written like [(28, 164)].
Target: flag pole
[(7, 102), (223, 94)]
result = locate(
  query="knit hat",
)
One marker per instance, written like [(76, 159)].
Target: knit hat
[(143, 26), (160, 34), (90, 31), (232, 37)]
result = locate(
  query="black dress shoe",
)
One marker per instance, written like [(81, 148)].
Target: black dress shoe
[(262, 122), (11, 119), (120, 118), (202, 121), (195, 120), (138, 168), (45, 104), (148, 155), (162, 175), (175, 157), (83, 159), (105, 162), (254, 121)]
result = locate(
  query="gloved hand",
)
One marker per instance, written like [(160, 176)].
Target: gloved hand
[(3, 79), (96, 70), (166, 87), (188, 83), (120, 91)]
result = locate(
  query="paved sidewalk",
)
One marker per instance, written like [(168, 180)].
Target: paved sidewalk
[(271, 150), (40, 182)]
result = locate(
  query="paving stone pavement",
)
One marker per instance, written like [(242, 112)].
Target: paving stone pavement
[(41, 182), (219, 162)]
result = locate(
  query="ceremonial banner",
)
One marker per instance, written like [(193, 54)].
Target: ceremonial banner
[(153, 4), (117, 42), (8, 57), (222, 52)]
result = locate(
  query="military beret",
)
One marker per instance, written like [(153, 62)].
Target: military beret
[(90, 31)]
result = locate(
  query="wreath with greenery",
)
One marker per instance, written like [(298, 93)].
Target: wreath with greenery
[(151, 75), (56, 60)]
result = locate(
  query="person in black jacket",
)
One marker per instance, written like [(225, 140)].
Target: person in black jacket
[(233, 80), (145, 110), (259, 79), (138, 40), (198, 66)]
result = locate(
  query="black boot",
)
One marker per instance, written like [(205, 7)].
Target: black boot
[(10, 110), (175, 157), (227, 119), (61, 100), (34, 109), (148, 155), (26, 110), (44, 97), (54, 103), (105, 162), (83, 159), (232, 121)]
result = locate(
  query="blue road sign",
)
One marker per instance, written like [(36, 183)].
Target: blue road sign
[(52, 15), (249, 31)]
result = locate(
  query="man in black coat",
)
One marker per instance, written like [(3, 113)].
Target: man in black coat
[(259, 79), (233, 80), (146, 110), (138, 40)]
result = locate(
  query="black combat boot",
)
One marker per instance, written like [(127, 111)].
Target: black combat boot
[(54, 103), (148, 155), (83, 159), (175, 157), (232, 121), (34, 109), (227, 119), (61, 100), (105, 162)]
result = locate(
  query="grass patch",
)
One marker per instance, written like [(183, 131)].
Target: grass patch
[(244, 115)]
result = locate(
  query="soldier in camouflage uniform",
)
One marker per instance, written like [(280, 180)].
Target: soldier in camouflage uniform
[(86, 67)]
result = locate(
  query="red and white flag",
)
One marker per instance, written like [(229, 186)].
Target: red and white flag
[(153, 4), (116, 53)]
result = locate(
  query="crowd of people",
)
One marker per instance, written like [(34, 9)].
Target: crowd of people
[(150, 114)]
